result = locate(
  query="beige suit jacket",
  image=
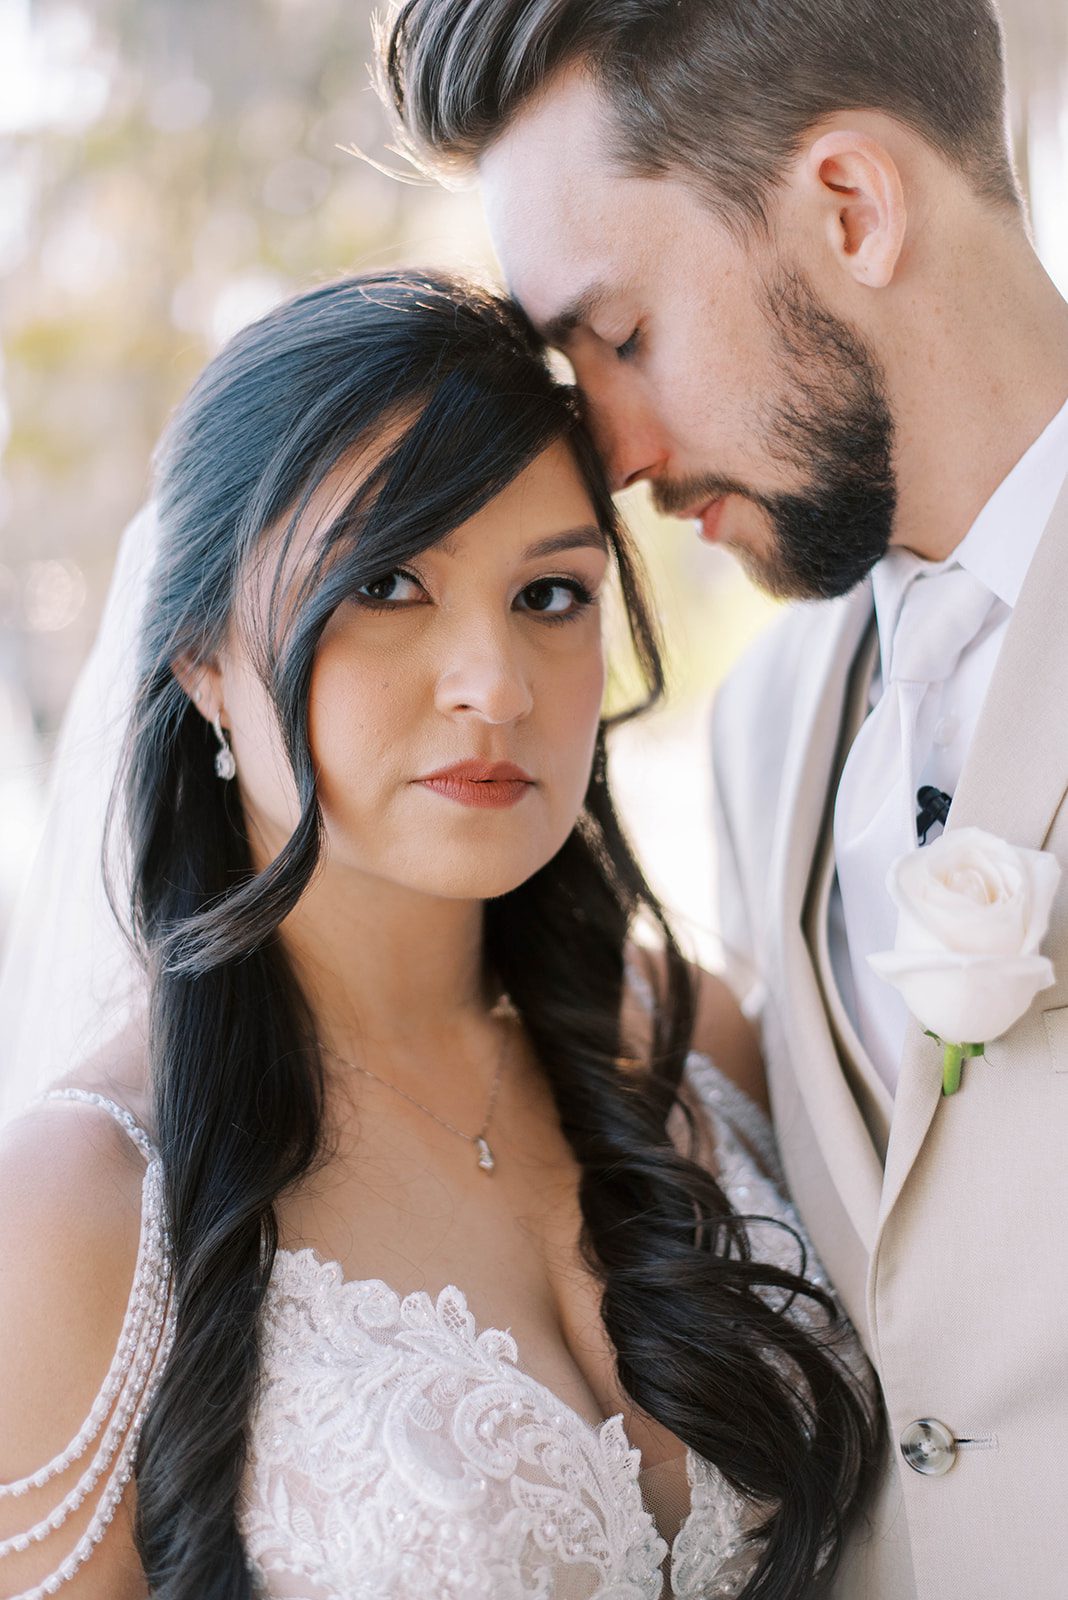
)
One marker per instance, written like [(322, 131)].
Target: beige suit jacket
[(943, 1223)]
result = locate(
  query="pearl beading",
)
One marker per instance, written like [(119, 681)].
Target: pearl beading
[(145, 1343)]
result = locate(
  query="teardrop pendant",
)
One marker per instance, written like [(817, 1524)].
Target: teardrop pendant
[(225, 765), (485, 1155)]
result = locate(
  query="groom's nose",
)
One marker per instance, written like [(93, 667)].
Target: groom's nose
[(631, 444), (632, 461)]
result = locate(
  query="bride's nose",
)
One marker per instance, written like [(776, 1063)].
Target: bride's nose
[(484, 675)]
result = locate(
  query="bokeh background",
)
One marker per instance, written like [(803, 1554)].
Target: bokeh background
[(171, 168)]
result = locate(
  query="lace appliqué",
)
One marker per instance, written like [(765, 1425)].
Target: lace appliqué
[(402, 1453), (712, 1556)]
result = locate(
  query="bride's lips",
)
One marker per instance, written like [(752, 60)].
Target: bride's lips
[(488, 784)]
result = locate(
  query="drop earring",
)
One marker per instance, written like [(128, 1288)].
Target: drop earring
[(225, 765)]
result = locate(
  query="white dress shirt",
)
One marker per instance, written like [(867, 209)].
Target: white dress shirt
[(997, 550)]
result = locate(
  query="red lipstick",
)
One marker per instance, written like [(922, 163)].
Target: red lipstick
[(489, 784)]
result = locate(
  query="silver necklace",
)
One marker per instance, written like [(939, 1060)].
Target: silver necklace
[(505, 1012)]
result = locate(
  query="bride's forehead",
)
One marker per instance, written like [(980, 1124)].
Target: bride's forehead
[(318, 506), (546, 494)]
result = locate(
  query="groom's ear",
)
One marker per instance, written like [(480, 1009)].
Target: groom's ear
[(202, 682), (856, 183)]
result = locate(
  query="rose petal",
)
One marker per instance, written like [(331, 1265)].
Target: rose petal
[(968, 892), (964, 999)]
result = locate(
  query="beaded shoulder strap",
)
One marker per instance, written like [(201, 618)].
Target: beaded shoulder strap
[(119, 1410), (123, 1117)]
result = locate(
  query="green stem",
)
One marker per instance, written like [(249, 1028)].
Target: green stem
[(951, 1066), (953, 1060)]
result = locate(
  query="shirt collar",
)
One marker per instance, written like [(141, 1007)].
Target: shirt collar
[(1001, 542)]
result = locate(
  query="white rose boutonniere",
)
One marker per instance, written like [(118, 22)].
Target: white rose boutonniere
[(972, 913)]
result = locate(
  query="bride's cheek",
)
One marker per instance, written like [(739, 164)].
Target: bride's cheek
[(577, 704), (586, 695), (354, 720)]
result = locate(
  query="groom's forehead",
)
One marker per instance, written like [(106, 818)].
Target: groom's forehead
[(564, 275), (558, 289), (552, 198), (571, 226)]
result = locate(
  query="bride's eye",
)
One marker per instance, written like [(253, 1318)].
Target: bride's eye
[(393, 588), (556, 599)]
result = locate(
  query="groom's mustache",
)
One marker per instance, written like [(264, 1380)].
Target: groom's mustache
[(693, 494)]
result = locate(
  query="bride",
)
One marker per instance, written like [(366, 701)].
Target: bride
[(420, 1234)]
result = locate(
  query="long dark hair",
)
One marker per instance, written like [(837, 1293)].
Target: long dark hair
[(446, 390)]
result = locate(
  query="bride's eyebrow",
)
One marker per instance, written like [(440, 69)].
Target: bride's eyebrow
[(589, 537), (586, 537)]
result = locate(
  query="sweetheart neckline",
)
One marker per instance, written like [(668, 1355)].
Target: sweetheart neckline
[(331, 1271)]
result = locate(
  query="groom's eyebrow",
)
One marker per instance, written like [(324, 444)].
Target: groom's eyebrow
[(576, 314)]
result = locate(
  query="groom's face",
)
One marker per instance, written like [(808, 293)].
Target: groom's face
[(709, 364)]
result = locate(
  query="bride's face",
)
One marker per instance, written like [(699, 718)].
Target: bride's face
[(485, 650)]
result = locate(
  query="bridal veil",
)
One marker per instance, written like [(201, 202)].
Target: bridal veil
[(69, 980)]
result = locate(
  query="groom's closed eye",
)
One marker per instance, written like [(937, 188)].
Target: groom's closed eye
[(577, 313), (630, 346)]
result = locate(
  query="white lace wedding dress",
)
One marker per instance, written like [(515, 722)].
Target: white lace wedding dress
[(399, 1452)]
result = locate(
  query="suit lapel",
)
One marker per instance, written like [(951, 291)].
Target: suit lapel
[(815, 734), (1013, 782)]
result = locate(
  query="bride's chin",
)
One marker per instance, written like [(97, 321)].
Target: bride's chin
[(481, 881), (456, 875)]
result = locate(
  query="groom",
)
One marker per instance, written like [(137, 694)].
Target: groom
[(783, 247)]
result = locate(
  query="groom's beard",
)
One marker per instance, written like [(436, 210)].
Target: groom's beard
[(833, 424)]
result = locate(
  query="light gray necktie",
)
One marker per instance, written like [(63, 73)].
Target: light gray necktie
[(875, 810)]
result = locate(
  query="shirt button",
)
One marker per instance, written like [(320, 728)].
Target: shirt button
[(929, 1447), (946, 730)]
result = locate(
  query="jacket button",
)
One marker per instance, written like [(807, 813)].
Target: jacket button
[(929, 1447)]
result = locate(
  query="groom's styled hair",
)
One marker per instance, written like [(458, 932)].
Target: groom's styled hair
[(720, 89)]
